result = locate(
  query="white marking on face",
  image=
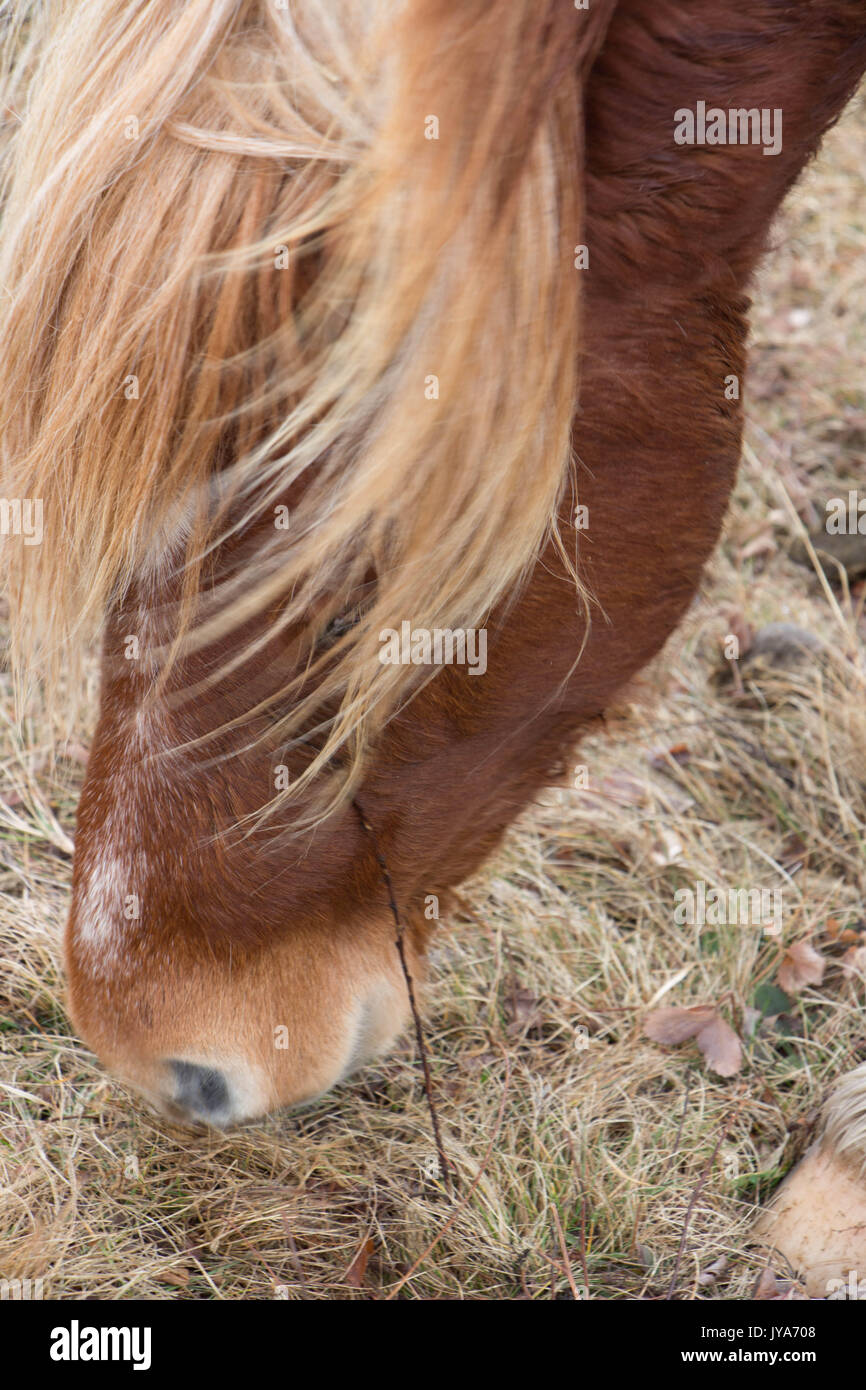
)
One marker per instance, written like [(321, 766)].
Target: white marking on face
[(101, 903), (117, 872)]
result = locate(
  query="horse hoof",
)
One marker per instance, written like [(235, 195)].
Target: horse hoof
[(817, 1220)]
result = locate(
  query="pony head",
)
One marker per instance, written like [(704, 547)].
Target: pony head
[(289, 358)]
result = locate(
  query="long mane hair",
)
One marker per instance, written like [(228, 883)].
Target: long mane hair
[(304, 254)]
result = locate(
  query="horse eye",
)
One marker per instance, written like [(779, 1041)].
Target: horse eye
[(338, 627)]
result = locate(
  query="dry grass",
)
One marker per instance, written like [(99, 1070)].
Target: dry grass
[(541, 985)]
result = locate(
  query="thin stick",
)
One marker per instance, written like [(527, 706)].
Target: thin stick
[(676, 1147), (695, 1195), (444, 1166)]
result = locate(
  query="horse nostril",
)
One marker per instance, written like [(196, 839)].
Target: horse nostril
[(199, 1090)]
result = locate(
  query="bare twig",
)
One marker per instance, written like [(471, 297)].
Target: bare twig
[(694, 1197), (678, 1139), (444, 1167)]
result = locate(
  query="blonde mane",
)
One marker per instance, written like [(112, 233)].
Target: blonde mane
[(338, 236)]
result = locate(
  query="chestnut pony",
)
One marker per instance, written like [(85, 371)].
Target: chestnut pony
[(329, 320)]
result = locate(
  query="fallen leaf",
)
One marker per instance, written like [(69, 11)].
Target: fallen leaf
[(767, 1287), (801, 965), (713, 1272), (716, 1039), (721, 1047), (675, 1024), (840, 934), (770, 1000)]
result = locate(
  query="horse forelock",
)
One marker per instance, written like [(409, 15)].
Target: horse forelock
[(270, 273)]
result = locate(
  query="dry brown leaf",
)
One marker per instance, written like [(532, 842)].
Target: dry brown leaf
[(721, 1047), (838, 934), (675, 1024), (716, 1039), (713, 1272), (767, 1287), (801, 965), (771, 1289)]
